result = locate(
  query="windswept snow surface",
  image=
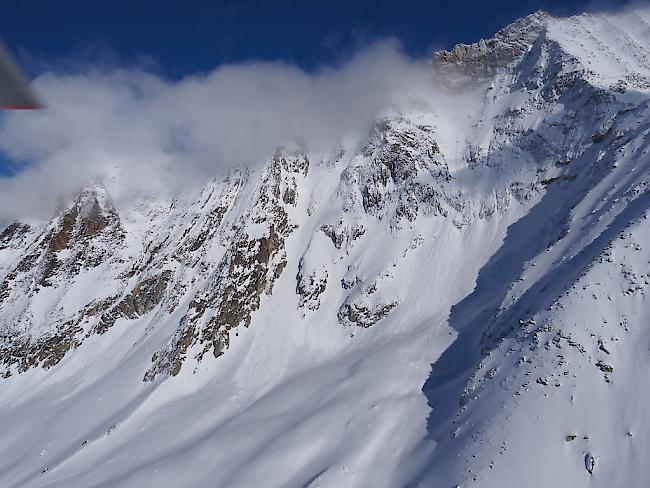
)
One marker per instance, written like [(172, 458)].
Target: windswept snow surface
[(458, 302)]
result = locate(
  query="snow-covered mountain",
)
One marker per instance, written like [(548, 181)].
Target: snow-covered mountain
[(459, 302)]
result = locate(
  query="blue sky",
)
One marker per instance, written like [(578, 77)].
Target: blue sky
[(176, 38)]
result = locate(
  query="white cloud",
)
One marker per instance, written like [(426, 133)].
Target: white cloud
[(158, 135)]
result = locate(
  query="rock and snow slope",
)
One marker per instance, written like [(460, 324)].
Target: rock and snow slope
[(460, 301)]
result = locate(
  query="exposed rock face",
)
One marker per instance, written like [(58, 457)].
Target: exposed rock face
[(311, 286), (249, 268), (142, 299), (19, 354), (80, 240), (341, 235), (13, 230), (81, 224), (485, 57), (399, 174), (362, 315)]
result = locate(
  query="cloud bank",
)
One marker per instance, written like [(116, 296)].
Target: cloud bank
[(143, 133)]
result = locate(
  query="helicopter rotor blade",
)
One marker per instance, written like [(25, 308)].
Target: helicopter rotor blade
[(15, 93)]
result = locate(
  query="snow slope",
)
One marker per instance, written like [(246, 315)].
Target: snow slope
[(457, 302)]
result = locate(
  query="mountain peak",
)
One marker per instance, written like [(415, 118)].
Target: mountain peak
[(485, 56)]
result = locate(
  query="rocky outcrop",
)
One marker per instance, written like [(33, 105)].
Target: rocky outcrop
[(12, 232), (310, 286), (140, 300), (249, 268), (19, 353), (364, 315), (343, 236), (399, 175), (485, 57)]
